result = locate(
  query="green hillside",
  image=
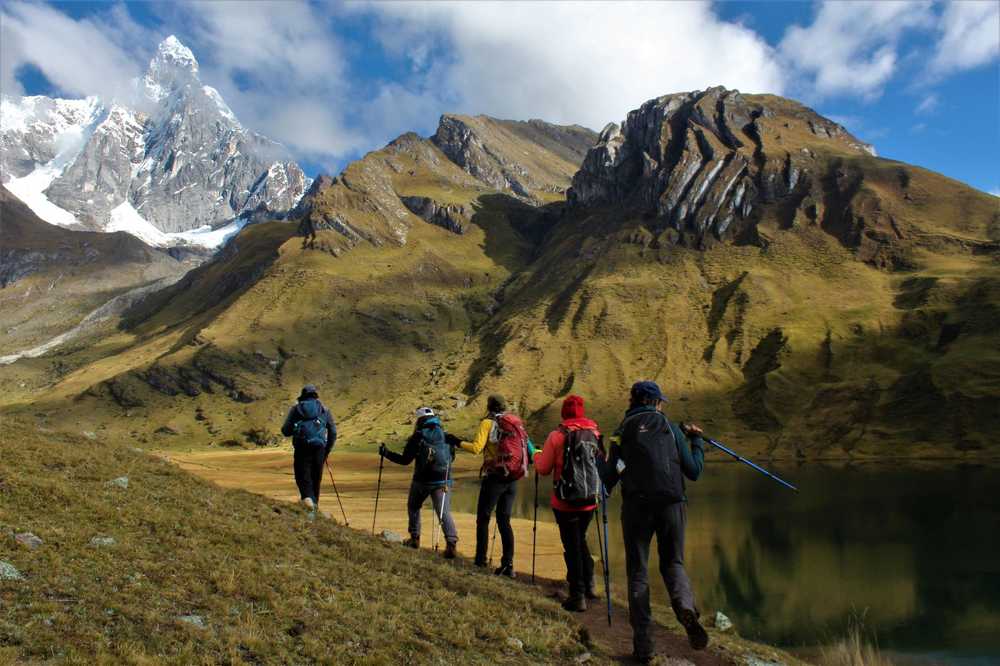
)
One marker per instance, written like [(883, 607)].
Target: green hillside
[(788, 289)]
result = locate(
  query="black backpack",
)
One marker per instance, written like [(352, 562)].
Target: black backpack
[(652, 461), (310, 429), (433, 454), (579, 480)]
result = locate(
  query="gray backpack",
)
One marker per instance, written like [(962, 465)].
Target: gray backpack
[(579, 481)]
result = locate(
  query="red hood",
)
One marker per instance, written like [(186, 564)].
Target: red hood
[(572, 407), (582, 423)]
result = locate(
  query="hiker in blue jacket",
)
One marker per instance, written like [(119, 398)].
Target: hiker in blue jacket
[(434, 451), (313, 433)]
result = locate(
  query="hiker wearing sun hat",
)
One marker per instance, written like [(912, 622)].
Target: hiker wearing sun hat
[(433, 450), (650, 455)]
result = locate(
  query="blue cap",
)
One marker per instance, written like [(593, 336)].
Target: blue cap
[(646, 390)]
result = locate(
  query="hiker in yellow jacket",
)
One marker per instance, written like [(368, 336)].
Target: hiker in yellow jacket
[(500, 474)]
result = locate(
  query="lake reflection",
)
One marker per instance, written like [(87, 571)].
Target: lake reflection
[(915, 548)]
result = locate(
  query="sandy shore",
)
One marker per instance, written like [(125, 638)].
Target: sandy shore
[(269, 472)]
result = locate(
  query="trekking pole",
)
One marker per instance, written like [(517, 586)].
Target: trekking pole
[(747, 462), (607, 567), (534, 530), (337, 493), (440, 513), (378, 490), (494, 542)]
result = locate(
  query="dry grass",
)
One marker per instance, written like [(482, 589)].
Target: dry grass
[(854, 650)]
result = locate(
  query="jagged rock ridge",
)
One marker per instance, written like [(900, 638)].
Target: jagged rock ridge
[(437, 180), (702, 162)]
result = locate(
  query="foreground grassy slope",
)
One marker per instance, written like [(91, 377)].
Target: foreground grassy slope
[(268, 585)]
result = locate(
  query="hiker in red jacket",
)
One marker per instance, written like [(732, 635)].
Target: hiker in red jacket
[(571, 454)]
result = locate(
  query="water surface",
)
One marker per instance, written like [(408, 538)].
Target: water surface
[(913, 549)]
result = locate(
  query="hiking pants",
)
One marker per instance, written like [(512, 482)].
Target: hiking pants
[(640, 521), (499, 494), (579, 563), (418, 494), (308, 464)]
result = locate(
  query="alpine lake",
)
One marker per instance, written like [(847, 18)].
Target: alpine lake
[(908, 551)]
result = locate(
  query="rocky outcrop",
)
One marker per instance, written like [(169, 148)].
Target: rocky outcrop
[(374, 199), (100, 177), (505, 154), (703, 163), (454, 218), (31, 126)]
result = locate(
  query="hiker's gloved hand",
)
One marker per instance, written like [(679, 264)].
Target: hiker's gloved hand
[(692, 430), (381, 450)]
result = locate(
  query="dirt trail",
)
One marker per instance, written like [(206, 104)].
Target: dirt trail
[(268, 472)]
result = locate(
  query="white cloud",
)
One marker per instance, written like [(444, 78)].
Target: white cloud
[(851, 47), (79, 57), (587, 63), (928, 104), (970, 36), (995, 191)]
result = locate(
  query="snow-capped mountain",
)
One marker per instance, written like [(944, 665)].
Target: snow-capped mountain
[(171, 165)]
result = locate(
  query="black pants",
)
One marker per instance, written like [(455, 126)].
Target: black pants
[(497, 493), (308, 464), (640, 521), (579, 563)]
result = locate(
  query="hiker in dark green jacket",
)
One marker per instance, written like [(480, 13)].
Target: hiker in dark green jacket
[(650, 456)]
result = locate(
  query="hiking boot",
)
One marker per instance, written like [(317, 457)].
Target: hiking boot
[(590, 594), (505, 570), (697, 636), (308, 504), (575, 603), (642, 657), (412, 542), (450, 550)]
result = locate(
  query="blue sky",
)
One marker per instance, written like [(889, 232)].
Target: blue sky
[(919, 80)]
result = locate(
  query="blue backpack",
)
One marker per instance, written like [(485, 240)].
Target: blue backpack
[(434, 454), (311, 427)]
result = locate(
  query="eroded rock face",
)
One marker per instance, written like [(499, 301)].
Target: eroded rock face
[(525, 159), (454, 218), (703, 162)]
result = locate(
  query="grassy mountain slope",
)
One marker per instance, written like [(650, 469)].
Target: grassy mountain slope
[(265, 584), (378, 309), (57, 284), (51, 276), (787, 288)]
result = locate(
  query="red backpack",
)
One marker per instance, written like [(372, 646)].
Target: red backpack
[(511, 460)]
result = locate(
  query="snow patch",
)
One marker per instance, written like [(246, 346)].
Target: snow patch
[(125, 217), (220, 103), (31, 188), (211, 238)]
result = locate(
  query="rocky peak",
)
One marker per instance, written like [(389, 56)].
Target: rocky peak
[(703, 162), (172, 160), (173, 66)]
